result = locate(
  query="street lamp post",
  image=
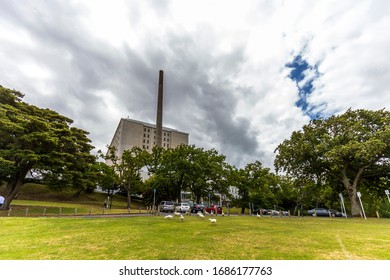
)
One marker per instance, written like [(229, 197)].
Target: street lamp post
[(361, 204)]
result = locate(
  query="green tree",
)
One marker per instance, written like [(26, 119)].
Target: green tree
[(154, 182), (208, 173), (341, 150), (106, 177), (172, 173), (128, 167), (239, 180), (188, 168), (256, 184), (40, 142)]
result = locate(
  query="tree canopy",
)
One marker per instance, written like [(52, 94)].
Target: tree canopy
[(188, 168), (128, 168), (256, 184), (343, 150), (40, 144)]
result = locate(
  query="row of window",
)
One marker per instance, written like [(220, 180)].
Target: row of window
[(147, 146), (147, 140), (148, 130), (147, 136)]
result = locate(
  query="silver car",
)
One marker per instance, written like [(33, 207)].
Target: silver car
[(167, 206), (323, 212), (182, 207)]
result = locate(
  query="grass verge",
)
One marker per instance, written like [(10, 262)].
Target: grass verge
[(156, 238)]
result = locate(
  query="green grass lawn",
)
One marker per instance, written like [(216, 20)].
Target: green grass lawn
[(156, 238)]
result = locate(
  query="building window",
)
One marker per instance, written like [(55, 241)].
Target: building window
[(147, 142), (148, 135), (144, 140)]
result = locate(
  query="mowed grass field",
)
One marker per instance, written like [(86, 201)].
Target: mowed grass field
[(156, 238)]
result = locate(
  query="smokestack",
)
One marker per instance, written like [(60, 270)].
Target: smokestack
[(159, 109)]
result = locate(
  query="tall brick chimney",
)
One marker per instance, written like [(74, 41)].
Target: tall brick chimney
[(159, 109)]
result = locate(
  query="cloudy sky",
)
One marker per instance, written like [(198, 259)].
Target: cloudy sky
[(240, 76)]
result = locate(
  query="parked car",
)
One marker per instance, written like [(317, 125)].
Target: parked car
[(324, 212), (197, 208), (213, 207), (167, 206), (273, 212), (182, 207), (260, 211), (337, 213)]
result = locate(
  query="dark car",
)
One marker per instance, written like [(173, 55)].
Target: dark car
[(337, 213), (213, 207), (197, 208), (324, 212)]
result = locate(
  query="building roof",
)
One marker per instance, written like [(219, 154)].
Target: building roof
[(152, 125)]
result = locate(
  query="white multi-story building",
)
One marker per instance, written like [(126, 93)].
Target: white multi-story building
[(132, 133)]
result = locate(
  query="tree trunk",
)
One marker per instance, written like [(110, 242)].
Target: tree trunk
[(77, 194), (13, 187), (352, 194), (197, 198), (11, 191), (352, 191), (128, 189)]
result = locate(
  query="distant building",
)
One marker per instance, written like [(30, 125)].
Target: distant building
[(132, 133)]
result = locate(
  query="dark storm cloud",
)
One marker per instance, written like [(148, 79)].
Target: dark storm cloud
[(93, 65), (96, 62), (218, 104), (198, 96)]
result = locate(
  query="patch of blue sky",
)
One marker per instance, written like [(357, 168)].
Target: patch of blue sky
[(304, 74)]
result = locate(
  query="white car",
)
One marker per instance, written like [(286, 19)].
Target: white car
[(182, 207)]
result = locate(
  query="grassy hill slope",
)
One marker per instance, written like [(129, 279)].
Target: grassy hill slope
[(40, 196)]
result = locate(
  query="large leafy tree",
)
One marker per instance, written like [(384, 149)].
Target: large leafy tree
[(172, 175), (106, 177), (345, 150), (256, 184), (40, 142), (128, 167), (188, 168), (208, 172)]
